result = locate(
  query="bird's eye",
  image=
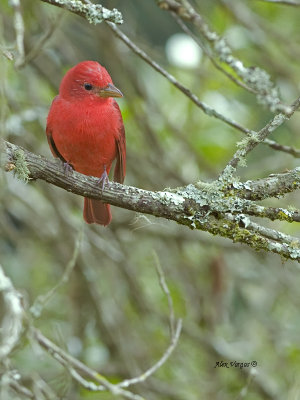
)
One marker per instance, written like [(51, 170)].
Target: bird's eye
[(88, 86)]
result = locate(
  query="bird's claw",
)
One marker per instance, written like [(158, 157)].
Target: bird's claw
[(103, 179), (68, 169)]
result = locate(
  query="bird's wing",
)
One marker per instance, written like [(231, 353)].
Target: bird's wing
[(50, 139), (120, 168), (52, 145)]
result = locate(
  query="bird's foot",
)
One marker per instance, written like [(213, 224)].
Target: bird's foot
[(103, 179), (68, 168)]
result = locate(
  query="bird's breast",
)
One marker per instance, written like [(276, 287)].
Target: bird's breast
[(85, 135)]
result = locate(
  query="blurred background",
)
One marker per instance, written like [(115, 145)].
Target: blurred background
[(111, 314)]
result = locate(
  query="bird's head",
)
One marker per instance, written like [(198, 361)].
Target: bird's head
[(88, 80)]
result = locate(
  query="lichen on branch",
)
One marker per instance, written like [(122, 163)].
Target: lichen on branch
[(19, 166), (94, 13), (220, 208)]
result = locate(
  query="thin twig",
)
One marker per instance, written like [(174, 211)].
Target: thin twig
[(165, 289), (209, 55), (68, 361), (7, 54), (174, 331), (88, 385), (281, 147), (42, 300), (20, 30), (20, 389), (204, 107), (41, 388), (159, 363), (257, 78), (271, 143), (260, 136)]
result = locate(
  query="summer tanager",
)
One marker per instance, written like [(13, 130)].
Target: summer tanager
[(85, 130)]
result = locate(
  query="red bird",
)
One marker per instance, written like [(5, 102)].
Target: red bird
[(85, 130)]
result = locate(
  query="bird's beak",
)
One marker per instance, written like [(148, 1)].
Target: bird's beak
[(110, 91)]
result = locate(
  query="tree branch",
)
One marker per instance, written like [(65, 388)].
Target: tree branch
[(94, 13), (212, 207)]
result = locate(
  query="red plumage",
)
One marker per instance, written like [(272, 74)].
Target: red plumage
[(85, 129)]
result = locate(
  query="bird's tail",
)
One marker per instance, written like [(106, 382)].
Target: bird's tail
[(94, 211)]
